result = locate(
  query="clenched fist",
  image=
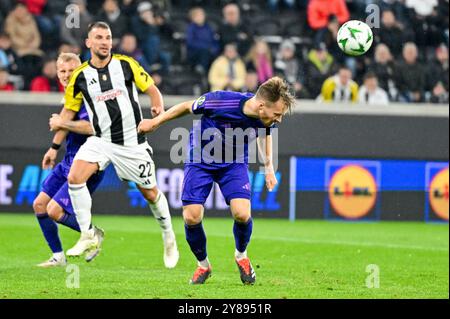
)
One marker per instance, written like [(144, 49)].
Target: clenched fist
[(271, 181)]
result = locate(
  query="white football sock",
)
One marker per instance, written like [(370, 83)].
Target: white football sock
[(82, 203), (204, 263), (240, 255), (58, 256), (160, 210)]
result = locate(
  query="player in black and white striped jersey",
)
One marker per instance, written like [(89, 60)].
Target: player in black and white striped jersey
[(108, 85)]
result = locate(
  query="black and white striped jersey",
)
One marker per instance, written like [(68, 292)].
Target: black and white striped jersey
[(111, 98)]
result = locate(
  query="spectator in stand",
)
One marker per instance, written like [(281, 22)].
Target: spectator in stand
[(384, 69), (4, 61), (340, 87), (438, 70), (4, 81), (391, 33), (76, 36), (442, 20), (128, 46), (35, 7), (251, 82), (319, 67), (25, 41), (234, 30), (410, 76), (370, 93), (48, 81), (23, 31), (319, 13), (425, 23), (259, 59), (288, 67), (439, 94), (50, 23), (201, 42), (12, 60), (129, 7), (47, 24), (422, 7), (117, 21), (145, 27), (398, 7), (228, 71)]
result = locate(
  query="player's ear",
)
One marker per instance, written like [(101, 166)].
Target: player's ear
[(88, 43)]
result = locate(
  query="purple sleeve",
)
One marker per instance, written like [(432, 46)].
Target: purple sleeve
[(199, 105)]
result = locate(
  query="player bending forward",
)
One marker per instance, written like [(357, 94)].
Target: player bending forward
[(53, 202), (221, 111), (108, 86)]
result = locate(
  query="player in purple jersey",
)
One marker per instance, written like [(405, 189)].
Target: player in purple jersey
[(224, 113), (53, 204)]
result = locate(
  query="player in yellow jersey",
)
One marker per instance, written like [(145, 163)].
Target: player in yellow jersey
[(108, 85)]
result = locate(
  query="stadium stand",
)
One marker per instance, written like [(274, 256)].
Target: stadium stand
[(161, 27)]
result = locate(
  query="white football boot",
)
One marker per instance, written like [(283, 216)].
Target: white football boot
[(54, 261), (171, 253), (100, 235), (88, 241)]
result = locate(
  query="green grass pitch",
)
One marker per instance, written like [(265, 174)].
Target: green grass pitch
[(305, 259)]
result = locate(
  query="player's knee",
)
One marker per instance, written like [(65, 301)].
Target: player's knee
[(54, 211), (39, 206), (241, 217), (192, 216), (241, 210), (74, 179), (151, 195)]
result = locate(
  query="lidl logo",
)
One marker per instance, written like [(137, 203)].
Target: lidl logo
[(439, 194), (352, 191)]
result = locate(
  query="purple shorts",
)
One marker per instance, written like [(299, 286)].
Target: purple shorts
[(57, 188), (199, 179)]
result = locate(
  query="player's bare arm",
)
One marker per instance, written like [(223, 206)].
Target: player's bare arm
[(80, 127), (179, 110), (156, 100), (265, 148), (50, 157)]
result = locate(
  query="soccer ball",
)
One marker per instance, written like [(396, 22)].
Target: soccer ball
[(355, 38)]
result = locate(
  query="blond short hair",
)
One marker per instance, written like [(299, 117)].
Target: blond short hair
[(67, 57), (275, 89)]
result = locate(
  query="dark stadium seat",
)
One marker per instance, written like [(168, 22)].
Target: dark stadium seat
[(185, 81), (267, 26), (180, 25), (292, 22), (294, 29), (214, 20)]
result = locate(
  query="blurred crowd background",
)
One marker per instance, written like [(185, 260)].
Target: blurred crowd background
[(192, 46)]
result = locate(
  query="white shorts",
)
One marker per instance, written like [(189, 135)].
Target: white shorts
[(132, 163)]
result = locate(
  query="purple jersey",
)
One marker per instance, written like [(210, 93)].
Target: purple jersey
[(74, 140), (222, 111)]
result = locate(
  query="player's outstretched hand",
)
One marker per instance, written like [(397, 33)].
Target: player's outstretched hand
[(148, 126), (271, 181), (55, 122), (49, 159)]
